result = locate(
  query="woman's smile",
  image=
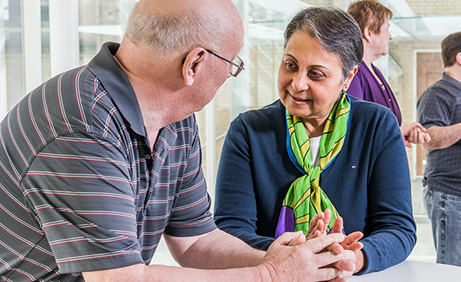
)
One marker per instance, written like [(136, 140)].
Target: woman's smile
[(299, 100)]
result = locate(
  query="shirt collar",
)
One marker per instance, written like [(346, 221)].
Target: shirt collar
[(117, 85), (451, 80)]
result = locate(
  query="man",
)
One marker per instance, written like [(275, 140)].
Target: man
[(439, 110), (99, 162)]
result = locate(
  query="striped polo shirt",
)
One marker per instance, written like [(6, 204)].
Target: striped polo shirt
[(81, 189)]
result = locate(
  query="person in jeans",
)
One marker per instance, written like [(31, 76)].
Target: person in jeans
[(439, 110)]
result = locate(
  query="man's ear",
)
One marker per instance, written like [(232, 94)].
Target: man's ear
[(192, 65), (458, 58), (349, 79)]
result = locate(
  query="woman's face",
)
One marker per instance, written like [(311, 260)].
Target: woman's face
[(310, 79), (380, 41)]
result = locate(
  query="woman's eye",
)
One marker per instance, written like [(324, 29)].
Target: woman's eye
[(313, 74), (290, 66)]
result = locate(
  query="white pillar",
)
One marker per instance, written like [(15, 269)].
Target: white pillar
[(3, 94), (210, 148), (64, 40), (32, 44), (240, 93)]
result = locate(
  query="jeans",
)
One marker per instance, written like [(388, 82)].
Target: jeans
[(444, 212)]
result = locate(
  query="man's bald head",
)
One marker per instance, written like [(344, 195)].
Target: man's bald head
[(178, 26)]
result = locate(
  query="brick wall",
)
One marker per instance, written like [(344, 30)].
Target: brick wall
[(435, 7)]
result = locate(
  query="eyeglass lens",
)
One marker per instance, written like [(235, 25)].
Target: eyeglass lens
[(237, 67)]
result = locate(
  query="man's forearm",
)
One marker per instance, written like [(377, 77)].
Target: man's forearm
[(145, 273), (289, 258), (443, 136), (217, 250), (215, 256)]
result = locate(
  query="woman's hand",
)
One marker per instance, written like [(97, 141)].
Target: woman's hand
[(351, 242), (318, 225), (317, 228), (293, 258)]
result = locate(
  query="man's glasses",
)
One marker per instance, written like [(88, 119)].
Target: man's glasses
[(237, 63)]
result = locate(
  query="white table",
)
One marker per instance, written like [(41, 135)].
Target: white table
[(413, 271)]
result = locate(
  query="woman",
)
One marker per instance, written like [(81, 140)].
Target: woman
[(317, 138), (369, 84)]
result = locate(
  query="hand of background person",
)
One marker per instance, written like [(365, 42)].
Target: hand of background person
[(414, 133), (292, 258)]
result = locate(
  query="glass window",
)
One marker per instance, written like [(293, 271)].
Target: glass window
[(413, 62)]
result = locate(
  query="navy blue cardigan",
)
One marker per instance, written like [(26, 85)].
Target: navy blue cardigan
[(368, 182)]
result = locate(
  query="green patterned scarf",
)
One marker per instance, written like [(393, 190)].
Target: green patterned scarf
[(305, 198)]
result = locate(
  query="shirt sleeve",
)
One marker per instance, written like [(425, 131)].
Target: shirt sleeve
[(82, 191), (191, 213), (435, 107)]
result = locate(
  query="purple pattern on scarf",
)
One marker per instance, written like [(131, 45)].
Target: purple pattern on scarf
[(286, 221)]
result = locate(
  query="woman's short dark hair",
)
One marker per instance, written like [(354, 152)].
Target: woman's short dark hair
[(335, 30), (451, 46), (369, 13)]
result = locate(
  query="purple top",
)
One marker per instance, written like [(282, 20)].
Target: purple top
[(365, 86)]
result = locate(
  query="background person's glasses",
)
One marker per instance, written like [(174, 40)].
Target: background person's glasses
[(237, 63)]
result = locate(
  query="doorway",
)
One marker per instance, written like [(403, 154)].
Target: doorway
[(429, 68)]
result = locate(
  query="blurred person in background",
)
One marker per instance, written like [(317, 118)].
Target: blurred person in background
[(439, 110), (369, 83)]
